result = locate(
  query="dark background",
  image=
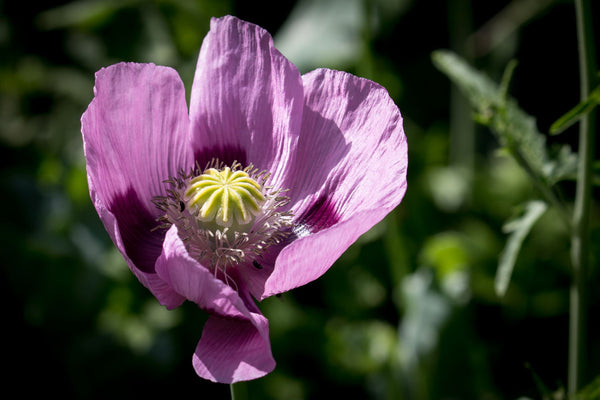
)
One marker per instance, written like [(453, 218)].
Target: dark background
[(409, 311)]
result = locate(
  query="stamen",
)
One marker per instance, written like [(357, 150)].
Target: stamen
[(225, 215)]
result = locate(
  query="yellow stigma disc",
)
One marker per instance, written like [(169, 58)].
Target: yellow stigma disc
[(225, 196)]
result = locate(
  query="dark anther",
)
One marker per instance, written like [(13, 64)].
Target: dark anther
[(256, 264), (181, 206)]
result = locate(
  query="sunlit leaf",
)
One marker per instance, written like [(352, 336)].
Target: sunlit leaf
[(576, 112), (480, 90), (519, 229), (514, 129)]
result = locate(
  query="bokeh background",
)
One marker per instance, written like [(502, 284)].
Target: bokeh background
[(408, 312)]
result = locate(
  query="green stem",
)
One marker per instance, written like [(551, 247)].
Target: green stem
[(547, 192), (462, 126), (238, 391), (581, 212)]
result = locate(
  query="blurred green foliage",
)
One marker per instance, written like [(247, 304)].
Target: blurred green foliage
[(408, 312)]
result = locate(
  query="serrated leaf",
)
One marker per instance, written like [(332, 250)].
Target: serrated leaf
[(573, 115), (519, 229), (514, 129), (479, 89)]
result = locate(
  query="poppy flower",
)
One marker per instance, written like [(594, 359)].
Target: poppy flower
[(257, 190)]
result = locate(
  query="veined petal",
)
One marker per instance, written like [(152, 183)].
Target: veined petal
[(144, 254), (246, 100), (232, 350), (256, 273), (350, 171), (235, 342), (135, 135), (307, 258)]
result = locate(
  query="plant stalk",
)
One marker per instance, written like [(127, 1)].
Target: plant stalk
[(238, 391), (462, 126), (581, 212)]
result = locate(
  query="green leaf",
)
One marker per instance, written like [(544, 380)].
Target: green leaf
[(590, 392), (481, 91), (576, 112), (515, 130), (519, 229), (563, 166), (507, 77)]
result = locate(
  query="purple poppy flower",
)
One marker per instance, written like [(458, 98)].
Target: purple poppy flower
[(257, 190)]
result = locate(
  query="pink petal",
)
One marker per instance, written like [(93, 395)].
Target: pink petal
[(309, 257), (235, 342), (135, 135), (232, 350), (159, 288), (246, 101), (256, 273), (135, 131), (350, 171)]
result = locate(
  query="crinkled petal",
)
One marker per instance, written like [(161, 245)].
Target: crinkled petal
[(235, 342), (159, 288), (135, 131), (350, 171), (135, 135), (232, 350), (246, 100), (309, 257)]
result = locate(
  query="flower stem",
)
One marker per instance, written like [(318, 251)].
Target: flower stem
[(238, 391), (581, 212)]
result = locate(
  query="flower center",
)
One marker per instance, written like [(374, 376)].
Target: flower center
[(225, 215), (226, 197)]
